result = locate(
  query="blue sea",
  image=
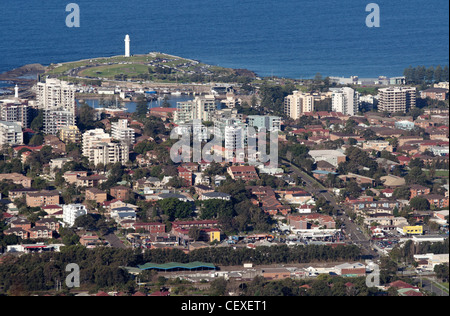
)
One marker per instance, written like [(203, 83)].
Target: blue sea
[(289, 38), (131, 106)]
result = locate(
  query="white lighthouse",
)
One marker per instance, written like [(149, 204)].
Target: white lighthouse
[(16, 91), (127, 46)]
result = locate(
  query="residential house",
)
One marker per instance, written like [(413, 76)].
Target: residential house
[(417, 190), (215, 195), (16, 178), (42, 198), (18, 193), (97, 195), (186, 175), (72, 176), (437, 200), (244, 173), (90, 181), (120, 192), (152, 228)]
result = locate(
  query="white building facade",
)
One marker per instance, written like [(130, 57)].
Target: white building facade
[(71, 212), (10, 133), (297, 104), (345, 100)]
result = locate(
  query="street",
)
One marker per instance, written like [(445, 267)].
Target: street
[(352, 230)]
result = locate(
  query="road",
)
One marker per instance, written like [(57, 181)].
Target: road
[(317, 189), (433, 287)]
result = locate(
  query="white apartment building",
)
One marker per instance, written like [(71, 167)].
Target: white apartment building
[(334, 157), (15, 111), (396, 99), (57, 99), (55, 93), (235, 136), (121, 132), (98, 147), (71, 212), (107, 153), (231, 101), (345, 100), (270, 123), (201, 108), (55, 120), (298, 103), (10, 133), (92, 137)]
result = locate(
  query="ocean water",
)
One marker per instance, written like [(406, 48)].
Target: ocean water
[(131, 106), (289, 38), (3, 85)]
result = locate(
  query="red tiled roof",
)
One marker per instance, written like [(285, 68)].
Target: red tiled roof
[(160, 293), (163, 109), (412, 293), (401, 285)]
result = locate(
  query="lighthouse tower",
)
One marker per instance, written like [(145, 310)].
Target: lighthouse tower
[(16, 92), (127, 46)]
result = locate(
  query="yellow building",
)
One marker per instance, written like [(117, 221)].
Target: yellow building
[(214, 235), (413, 230), (69, 134)]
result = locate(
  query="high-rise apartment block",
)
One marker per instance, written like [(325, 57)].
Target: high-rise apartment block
[(121, 132), (55, 120), (10, 133), (17, 111), (270, 123), (69, 133), (298, 103), (57, 99), (98, 147), (396, 99), (345, 100), (71, 212), (55, 93), (201, 108)]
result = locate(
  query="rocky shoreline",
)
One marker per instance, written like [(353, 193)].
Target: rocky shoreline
[(25, 77)]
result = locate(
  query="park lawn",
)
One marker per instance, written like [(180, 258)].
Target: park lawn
[(62, 68), (440, 173), (109, 71), (367, 90)]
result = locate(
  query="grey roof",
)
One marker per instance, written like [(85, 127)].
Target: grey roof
[(216, 195), (123, 209), (126, 214), (171, 195)]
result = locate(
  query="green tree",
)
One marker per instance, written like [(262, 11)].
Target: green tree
[(419, 203), (86, 115), (194, 233), (141, 106), (38, 122), (215, 208), (416, 176), (442, 272), (438, 72), (175, 209)]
